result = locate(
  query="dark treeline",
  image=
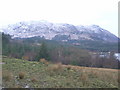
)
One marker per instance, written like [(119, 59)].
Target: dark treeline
[(33, 49), (100, 46)]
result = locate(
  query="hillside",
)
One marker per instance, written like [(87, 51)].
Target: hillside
[(90, 37), (59, 31), (19, 73)]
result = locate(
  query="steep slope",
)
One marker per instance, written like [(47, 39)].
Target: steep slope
[(96, 32)]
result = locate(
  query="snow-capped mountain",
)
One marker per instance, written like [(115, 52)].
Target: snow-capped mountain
[(61, 31)]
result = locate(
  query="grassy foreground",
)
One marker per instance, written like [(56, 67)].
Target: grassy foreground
[(19, 73)]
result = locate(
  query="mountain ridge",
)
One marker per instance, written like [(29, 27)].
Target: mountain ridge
[(63, 31)]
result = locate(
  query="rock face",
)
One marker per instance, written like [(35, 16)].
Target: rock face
[(59, 31)]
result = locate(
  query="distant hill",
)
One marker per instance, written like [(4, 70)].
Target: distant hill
[(87, 37), (59, 31)]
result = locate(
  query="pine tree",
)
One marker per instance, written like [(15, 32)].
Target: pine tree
[(5, 43), (43, 53)]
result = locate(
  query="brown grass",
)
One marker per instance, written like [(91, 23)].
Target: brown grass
[(93, 73), (34, 79), (44, 61), (100, 73), (21, 75), (92, 68), (118, 80), (7, 76), (56, 67), (59, 65), (84, 77), (17, 86)]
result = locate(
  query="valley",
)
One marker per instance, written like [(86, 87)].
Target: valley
[(40, 54)]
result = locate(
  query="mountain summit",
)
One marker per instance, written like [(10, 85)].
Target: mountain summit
[(59, 31)]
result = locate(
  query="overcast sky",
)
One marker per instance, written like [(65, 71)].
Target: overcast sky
[(78, 12)]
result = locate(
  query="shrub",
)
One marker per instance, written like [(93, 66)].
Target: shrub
[(68, 67), (21, 75), (25, 58)]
